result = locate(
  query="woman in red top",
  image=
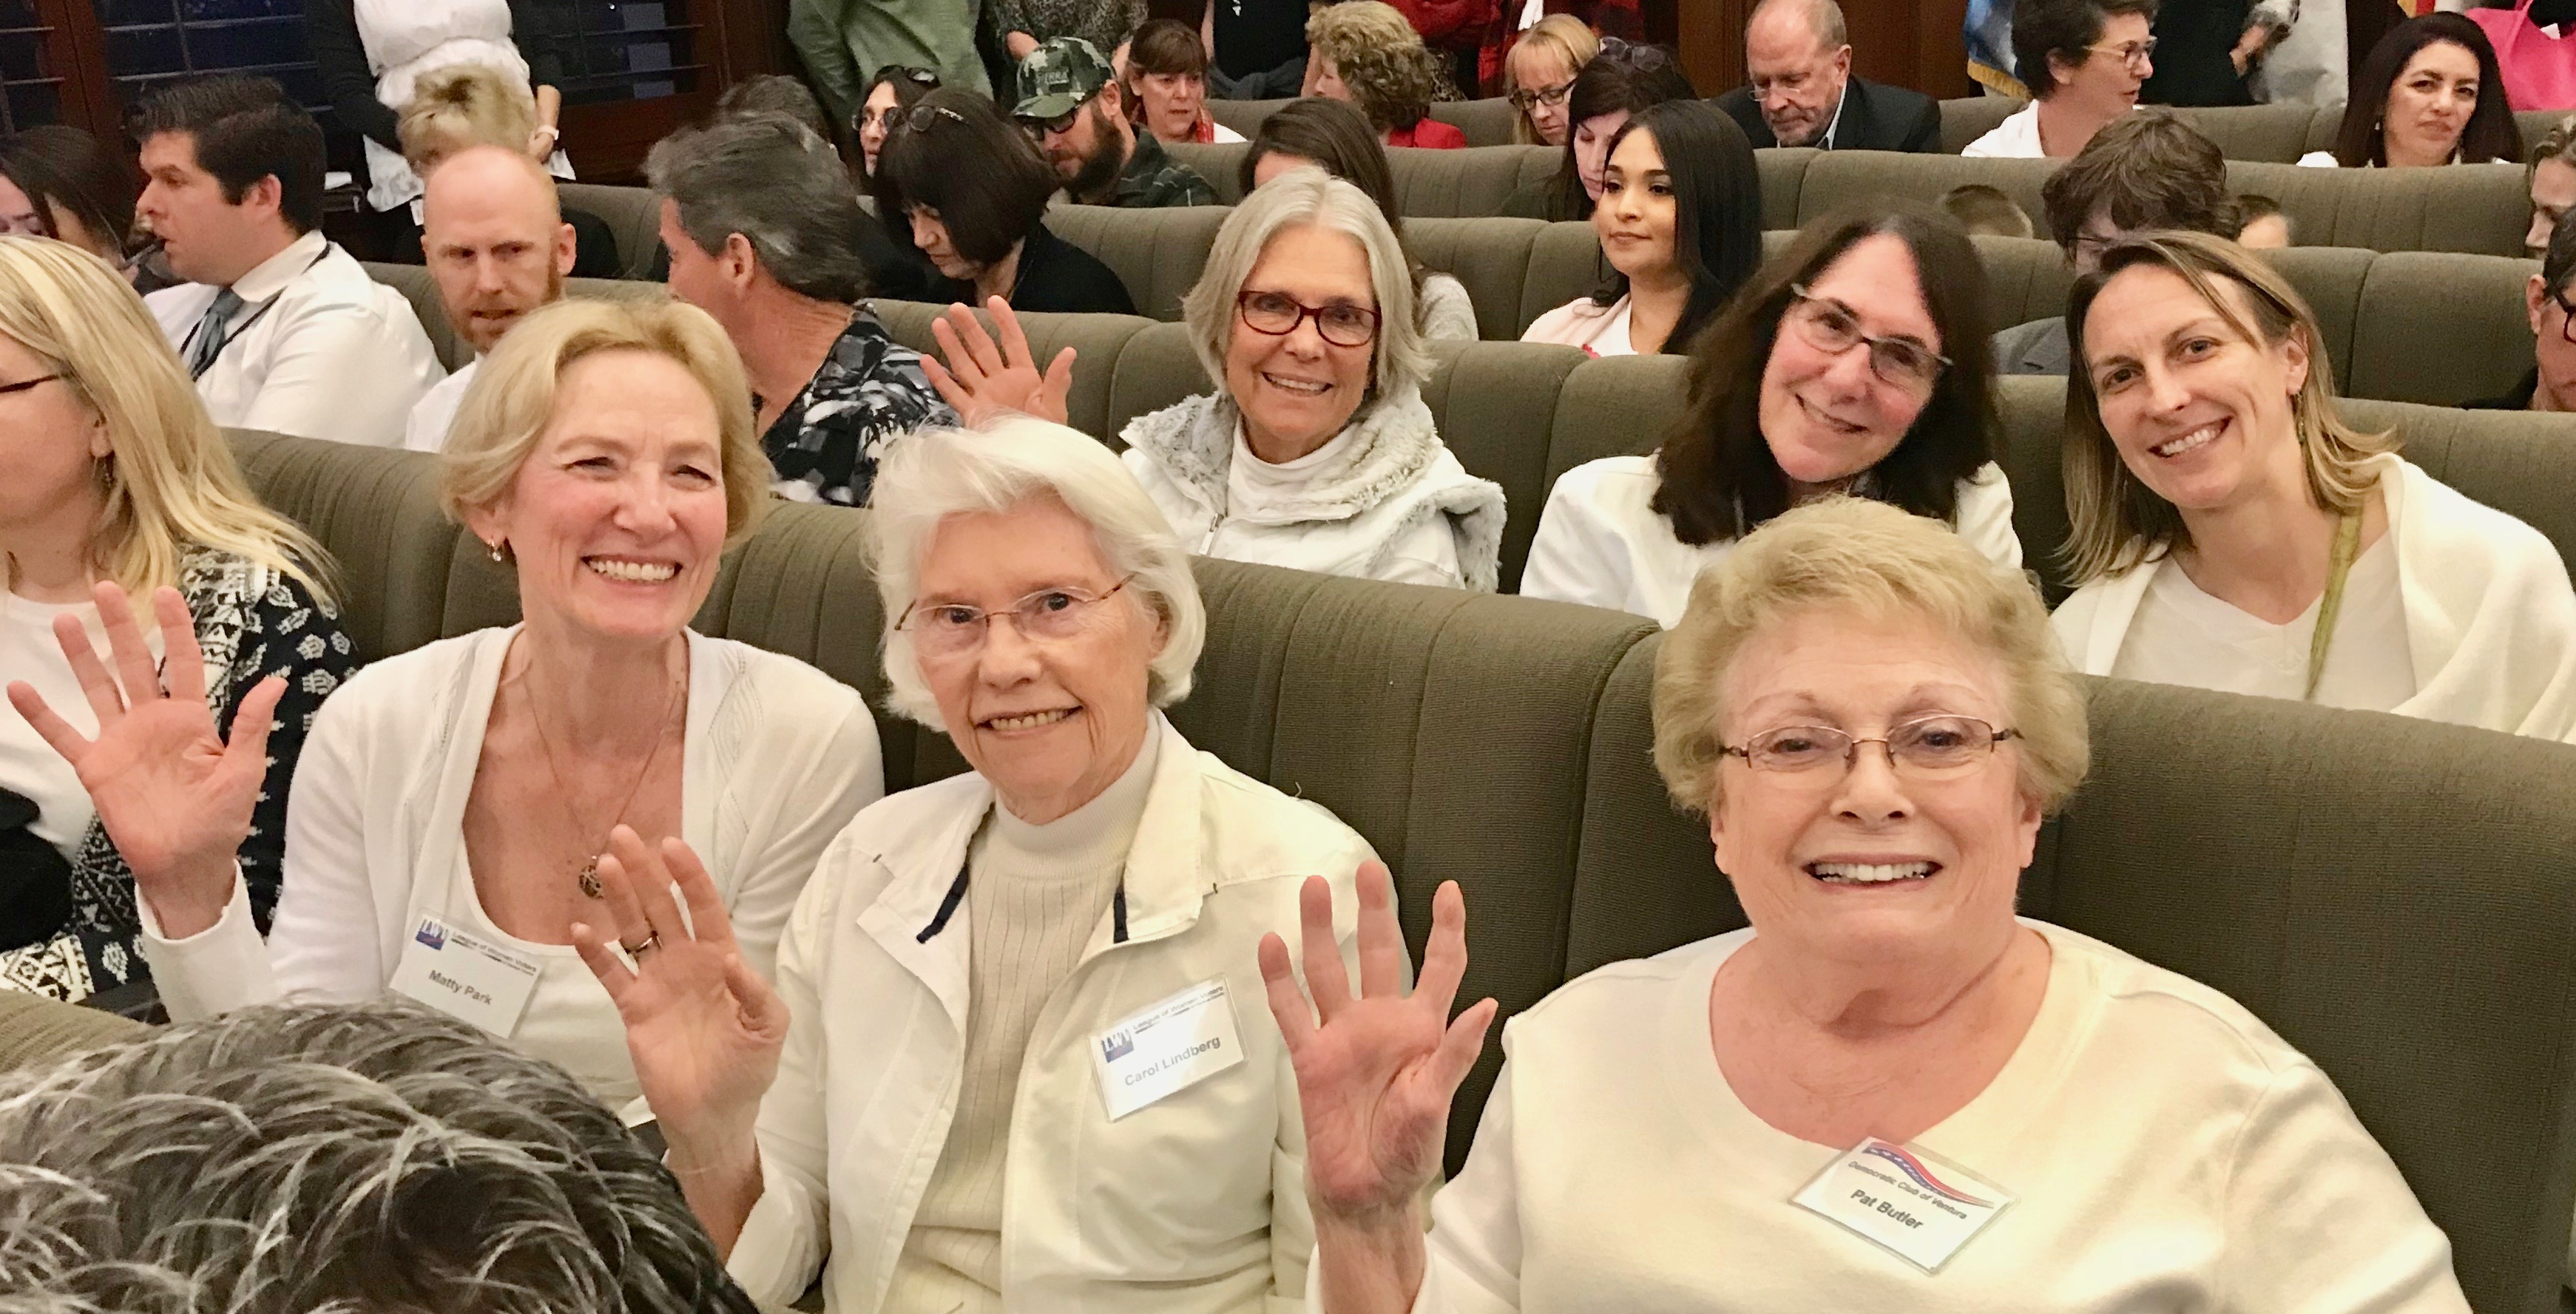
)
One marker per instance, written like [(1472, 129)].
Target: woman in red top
[(1364, 52)]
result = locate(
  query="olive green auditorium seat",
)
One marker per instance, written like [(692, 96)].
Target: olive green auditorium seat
[(1460, 184), (1487, 122)]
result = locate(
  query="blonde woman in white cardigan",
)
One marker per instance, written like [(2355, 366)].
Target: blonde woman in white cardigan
[(453, 802), (2230, 532)]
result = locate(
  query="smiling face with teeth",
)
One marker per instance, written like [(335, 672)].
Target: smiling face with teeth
[(1869, 864), (1826, 417), (1295, 390), (2199, 411)]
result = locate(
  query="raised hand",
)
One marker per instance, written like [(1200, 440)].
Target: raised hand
[(980, 379), (174, 796), (1375, 1074)]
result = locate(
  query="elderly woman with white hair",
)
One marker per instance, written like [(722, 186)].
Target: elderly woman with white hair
[(1888, 1092), (1014, 1058), (452, 804), (1316, 451)]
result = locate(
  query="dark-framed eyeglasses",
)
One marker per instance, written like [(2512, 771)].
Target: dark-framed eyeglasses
[(923, 78), (1037, 127), (1834, 328), (1528, 98), (1635, 54), (923, 118), (1938, 745), (1050, 615), (2132, 53), (1278, 314), (23, 385), (2566, 316)]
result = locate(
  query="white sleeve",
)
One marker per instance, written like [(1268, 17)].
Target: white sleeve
[(818, 796), (1473, 1255), (1985, 518), (2319, 1219), (346, 373), (1425, 554), (1577, 556), (786, 1236)]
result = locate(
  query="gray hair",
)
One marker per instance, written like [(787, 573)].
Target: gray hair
[(938, 473), (1309, 196), (301, 1158), (1824, 18), (769, 178)]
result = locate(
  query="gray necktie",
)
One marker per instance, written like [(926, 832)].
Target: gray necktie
[(209, 342)]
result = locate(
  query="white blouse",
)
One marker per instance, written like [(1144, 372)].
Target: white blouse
[(2166, 1152), (2185, 636)]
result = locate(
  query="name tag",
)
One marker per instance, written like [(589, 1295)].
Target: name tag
[(1905, 1201), (464, 976), (1171, 1046)]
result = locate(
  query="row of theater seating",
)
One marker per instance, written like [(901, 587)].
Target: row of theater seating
[(2279, 133), (2422, 960)]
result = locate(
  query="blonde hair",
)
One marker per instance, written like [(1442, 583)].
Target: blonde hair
[(170, 483), (513, 399), (1568, 39), (1855, 554), (1379, 57), (2117, 521), (465, 105), (1306, 196)]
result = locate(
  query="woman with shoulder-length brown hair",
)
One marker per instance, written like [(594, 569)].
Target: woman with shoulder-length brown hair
[(2431, 92), (2232, 532), (1854, 362)]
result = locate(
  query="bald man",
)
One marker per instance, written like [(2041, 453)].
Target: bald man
[(499, 248), (1803, 94)]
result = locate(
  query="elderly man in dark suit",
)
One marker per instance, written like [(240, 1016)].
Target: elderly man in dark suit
[(1803, 94)]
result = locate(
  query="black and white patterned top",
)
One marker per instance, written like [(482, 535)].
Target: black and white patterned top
[(252, 623), (869, 392)]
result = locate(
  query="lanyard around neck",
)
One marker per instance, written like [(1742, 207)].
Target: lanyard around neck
[(2347, 544), (256, 314)]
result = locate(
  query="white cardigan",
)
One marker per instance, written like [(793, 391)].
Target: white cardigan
[(1600, 542), (2490, 617), (2168, 1154), (778, 756), (1195, 1204)]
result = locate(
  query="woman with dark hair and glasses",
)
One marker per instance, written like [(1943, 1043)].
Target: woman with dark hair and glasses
[(1853, 363), (1680, 223), (888, 96), (975, 192), (1622, 81), (2430, 93), (1332, 136)]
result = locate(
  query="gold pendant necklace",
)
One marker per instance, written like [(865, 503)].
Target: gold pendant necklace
[(588, 877)]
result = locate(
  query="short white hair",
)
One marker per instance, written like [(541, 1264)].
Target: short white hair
[(938, 473), (1300, 197)]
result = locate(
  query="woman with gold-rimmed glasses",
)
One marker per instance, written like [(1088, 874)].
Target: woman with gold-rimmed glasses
[(1888, 1091), (1855, 362)]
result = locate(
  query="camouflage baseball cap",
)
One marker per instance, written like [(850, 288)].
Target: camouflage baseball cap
[(1059, 75)]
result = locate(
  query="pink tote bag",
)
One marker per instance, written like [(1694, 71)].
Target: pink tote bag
[(2539, 70)]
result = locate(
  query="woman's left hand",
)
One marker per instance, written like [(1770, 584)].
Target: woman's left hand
[(980, 379)]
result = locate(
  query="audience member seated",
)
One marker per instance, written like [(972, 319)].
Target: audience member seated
[(917, 1110), (471, 105), (448, 820), (1255, 52), (2083, 61), (883, 102), (975, 190), (759, 217), (2207, 53), (2231, 532), (1825, 375), (2260, 225), (1366, 53), (2147, 171), (1074, 107), (1538, 75), (280, 329), (1983, 211), (1166, 84), (2551, 176), (1330, 135), (2551, 385), (60, 182), (1680, 223), (2430, 93), (329, 1158), (499, 250), (1875, 721), (1798, 56), (120, 493), (1623, 80)]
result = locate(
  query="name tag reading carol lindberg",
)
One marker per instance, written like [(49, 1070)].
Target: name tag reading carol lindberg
[(1917, 1207), (1167, 1047)]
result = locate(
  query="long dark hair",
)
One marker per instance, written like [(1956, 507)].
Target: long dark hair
[(2491, 133), (1717, 208), (58, 165), (1621, 77), (1716, 477), (955, 153), (1337, 137)]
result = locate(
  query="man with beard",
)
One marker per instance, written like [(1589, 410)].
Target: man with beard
[(498, 248), (1073, 104)]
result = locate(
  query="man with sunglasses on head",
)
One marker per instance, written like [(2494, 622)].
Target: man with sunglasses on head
[(1802, 93), (2551, 384), (1072, 103)]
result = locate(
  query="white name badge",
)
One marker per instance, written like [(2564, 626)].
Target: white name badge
[(1175, 1044), (464, 975), (1916, 1206)]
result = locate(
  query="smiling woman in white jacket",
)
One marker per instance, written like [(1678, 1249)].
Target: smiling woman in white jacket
[(1316, 451), (2232, 533), (1017, 1057)]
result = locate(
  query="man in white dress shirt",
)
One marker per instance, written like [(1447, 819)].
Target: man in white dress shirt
[(499, 250), (281, 329)]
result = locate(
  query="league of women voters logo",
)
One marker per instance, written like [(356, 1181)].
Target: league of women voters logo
[(1913, 1167)]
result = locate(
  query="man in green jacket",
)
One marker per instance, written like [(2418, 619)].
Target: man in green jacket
[(844, 43)]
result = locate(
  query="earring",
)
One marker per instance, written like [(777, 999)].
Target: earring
[(500, 552), (105, 468)]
